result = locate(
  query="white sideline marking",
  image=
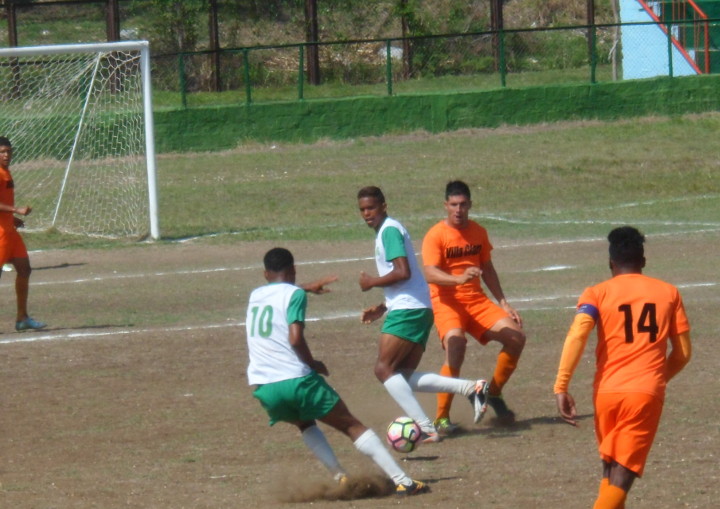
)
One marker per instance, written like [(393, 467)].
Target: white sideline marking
[(27, 337)]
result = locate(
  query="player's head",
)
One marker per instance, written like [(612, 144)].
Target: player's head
[(371, 192), (457, 188), (279, 265), (627, 252), (457, 203), (5, 152), (373, 209)]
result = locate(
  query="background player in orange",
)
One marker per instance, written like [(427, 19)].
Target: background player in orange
[(12, 247), (636, 316), (456, 255)]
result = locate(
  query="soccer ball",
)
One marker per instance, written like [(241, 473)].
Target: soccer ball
[(403, 434)]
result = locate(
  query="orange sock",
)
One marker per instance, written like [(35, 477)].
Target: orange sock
[(504, 368), (610, 497), (444, 399)]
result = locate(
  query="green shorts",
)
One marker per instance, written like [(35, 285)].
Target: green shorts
[(299, 399), (411, 324)]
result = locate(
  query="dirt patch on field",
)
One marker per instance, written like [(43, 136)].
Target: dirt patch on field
[(136, 394)]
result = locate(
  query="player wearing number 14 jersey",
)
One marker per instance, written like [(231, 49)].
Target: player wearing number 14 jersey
[(636, 317)]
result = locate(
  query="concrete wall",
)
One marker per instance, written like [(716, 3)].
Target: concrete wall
[(645, 47)]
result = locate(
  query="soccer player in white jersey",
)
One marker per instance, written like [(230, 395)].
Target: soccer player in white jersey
[(409, 319), (287, 377)]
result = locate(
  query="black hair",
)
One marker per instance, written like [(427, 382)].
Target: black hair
[(626, 246), (278, 259), (371, 192), (5, 142), (457, 188)]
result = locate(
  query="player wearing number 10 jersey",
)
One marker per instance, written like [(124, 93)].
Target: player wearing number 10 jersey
[(287, 378), (636, 317)]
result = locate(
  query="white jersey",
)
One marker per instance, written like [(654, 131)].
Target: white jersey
[(270, 311), (412, 293)]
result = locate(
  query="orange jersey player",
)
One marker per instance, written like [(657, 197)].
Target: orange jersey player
[(456, 256), (636, 317), (12, 247)]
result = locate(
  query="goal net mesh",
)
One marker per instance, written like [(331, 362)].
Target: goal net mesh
[(77, 128)]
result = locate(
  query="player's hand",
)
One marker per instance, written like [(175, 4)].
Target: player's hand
[(512, 312), (469, 274), (365, 281), (566, 408), (19, 223), (371, 314), (320, 367), (23, 211), (318, 287)]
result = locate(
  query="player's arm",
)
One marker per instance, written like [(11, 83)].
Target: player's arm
[(573, 348), (296, 337), (492, 281), (23, 211), (318, 286), (679, 356), (437, 276), (400, 272)]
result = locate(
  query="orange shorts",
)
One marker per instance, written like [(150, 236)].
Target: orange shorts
[(11, 246), (625, 427), (474, 316)]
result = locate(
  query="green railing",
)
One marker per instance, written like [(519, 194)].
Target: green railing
[(461, 62)]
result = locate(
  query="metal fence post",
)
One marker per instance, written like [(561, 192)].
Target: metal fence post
[(246, 75), (182, 81), (388, 67), (593, 54), (301, 72), (503, 61), (669, 46)]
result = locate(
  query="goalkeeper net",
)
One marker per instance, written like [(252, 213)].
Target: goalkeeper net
[(80, 121)]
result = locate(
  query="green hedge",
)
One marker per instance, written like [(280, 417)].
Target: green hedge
[(219, 128)]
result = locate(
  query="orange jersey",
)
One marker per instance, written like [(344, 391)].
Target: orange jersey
[(635, 316), (452, 251), (7, 197)]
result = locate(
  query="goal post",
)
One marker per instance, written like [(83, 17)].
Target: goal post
[(80, 119)]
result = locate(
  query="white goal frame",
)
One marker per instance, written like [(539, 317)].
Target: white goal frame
[(143, 48)]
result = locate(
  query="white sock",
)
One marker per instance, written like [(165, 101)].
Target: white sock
[(432, 382), (315, 440), (401, 392), (370, 445)]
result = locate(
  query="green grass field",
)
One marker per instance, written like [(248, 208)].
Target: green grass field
[(548, 180)]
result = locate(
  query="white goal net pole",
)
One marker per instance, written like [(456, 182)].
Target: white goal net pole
[(98, 184)]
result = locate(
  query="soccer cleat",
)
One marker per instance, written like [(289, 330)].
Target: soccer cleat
[(29, 324), (341, 478), (479, 400), (445, 427), (429, 437), (415, 488), (505, 416)]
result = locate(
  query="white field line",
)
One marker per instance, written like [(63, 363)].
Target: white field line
[(344, 315), (51, 336)]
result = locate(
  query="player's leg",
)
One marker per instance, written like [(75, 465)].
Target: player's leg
[(367, 442), (450, 326), (625, 427), (22, 289), (18, 257), (394, 354), (512, 338), (300, 401), (617, 481), (315, 440)]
